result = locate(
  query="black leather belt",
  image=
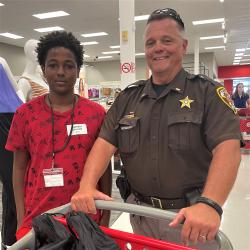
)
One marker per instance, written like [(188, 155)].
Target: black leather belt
[(162, 203)]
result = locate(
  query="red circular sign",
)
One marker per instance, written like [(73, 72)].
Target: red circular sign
[(126, 67)]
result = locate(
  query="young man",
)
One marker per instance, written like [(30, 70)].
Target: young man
[(52, 135), (172, 140)]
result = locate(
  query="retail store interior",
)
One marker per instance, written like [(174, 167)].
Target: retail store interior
[(218, 34)]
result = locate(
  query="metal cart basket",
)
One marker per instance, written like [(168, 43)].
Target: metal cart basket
[(127, 240)]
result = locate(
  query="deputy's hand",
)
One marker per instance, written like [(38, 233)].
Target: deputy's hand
[(83, 200), (201, 223)]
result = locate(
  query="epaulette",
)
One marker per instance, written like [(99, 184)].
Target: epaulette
[(201, 77), (136, 84)]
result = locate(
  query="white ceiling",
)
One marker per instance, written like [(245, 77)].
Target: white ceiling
[(88, 16)]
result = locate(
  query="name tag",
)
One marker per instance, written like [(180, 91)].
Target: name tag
[(53, 177), (78, 129)]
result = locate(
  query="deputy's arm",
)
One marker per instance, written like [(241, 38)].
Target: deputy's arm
[(96, 164), (201, 219), (105, 186), (19, 170)]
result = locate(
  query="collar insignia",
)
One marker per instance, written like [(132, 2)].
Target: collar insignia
[(186, 102)]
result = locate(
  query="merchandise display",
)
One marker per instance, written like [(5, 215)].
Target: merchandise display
[(93, 92)]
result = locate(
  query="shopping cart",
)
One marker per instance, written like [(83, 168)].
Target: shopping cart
[(245, 126), (127, 241)]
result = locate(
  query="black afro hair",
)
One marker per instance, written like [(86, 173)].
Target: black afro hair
[(59, 39)]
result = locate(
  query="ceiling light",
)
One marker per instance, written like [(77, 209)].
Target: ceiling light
[(140, 54), (216, 47), (89, 43), (222, 1), (245, 60), (223, 25), (244, 63), (247, 48), (1, 4), (218, 20), (239, 54), (95, 34), (141, 18), (111, 52), (240, 50), (246, 55), (10, 35), (237, 58), (211, 37), (115, 47), (51, 14), (87, 56), (49, 29), (236, 63), (104, 57)]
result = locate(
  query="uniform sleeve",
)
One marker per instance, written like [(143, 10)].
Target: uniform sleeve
[(109, 126), (220, 121), (16, 138)]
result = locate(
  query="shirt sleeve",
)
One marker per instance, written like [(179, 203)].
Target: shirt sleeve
[(221, 121), (16, 137)]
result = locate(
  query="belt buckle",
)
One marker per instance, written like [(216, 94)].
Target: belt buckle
[(156, 202)]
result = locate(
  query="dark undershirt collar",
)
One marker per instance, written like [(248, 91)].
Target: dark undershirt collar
[(159, 88)]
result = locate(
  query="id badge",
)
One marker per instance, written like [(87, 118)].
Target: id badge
[(53, 177), (78, 129)]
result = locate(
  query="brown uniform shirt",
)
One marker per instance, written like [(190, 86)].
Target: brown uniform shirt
[(166, 142)]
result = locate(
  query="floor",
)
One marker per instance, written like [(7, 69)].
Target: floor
[(236, 218)]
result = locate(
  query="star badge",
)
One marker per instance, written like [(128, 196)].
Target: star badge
[(186, 102)]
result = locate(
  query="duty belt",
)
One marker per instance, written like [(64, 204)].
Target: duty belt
[(162, 202)]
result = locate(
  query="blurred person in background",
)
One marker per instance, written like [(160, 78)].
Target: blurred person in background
[(240, 98)]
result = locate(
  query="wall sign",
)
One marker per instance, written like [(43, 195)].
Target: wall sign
[(128, 67)]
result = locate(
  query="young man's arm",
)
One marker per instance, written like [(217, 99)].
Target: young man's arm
[(95, 166), (19, 170), (202, 221)]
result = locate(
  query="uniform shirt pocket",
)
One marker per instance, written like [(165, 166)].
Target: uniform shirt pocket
[(184, 130), (128, 130)]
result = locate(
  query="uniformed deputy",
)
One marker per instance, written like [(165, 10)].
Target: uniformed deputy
[(178, 136)]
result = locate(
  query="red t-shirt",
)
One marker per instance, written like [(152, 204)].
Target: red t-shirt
[(31, 130)]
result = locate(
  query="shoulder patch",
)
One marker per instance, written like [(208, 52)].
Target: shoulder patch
[(225, 97)]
